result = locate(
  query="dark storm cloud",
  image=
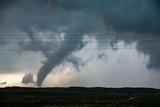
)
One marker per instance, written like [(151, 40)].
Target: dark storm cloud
[(76, 18), (134, 16)]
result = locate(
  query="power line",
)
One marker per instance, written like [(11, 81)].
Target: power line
[(83, 49)]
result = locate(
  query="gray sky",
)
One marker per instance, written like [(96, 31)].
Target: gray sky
[(84, 42)]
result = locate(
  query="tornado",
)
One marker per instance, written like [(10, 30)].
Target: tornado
[(57, 58)]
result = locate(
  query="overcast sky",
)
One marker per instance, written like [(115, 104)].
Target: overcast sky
[(87, 43)]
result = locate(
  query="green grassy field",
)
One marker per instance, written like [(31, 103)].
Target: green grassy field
[(78, 96)]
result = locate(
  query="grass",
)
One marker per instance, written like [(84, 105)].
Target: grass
[(79, 96)]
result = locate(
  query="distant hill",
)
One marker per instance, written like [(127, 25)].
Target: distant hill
[(79, 96)]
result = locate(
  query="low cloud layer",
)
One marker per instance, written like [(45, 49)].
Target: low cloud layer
[(28, 78)]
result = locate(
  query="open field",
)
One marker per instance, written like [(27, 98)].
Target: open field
[(78, 96)]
